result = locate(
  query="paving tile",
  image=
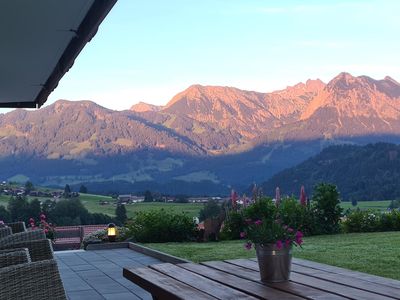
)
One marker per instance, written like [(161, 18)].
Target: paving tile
[(85, 295), (97, 274), (85, 274), (121, 296), (68, 274), (106, 285), (83, 267), (74, 284), (73, 261)]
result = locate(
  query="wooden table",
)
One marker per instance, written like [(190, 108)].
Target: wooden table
[(239, 279)]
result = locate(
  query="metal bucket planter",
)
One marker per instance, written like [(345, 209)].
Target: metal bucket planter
[(274, 263)]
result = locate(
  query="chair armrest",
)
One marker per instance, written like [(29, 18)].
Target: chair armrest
[(35, 280), (5, 231), (38, 249), (17, 226), (22, 236), (14, 258)]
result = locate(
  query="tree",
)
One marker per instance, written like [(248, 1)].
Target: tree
[(70, 212), (181, 199), (67, 191), (34, 208), (120, 214), (47, 207), (354, 202), (83, 189), (18, 208), (326, 204), (210, 210), (28, 187), (4, 214), (148, 197)]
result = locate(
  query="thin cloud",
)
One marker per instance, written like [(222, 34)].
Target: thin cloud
[(312, 8), (323, 44)]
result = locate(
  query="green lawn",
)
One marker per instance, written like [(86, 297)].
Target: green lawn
[(379, 205), (375, 253), (91, 202)]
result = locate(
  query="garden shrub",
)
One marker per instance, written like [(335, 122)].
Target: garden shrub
[(210, 210), (101, 235), (299, 216), (233, 225), (370, 221), (362, 221), (326, 208), (158, 226)]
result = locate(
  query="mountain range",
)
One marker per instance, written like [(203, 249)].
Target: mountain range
[(205, 140), (362, 173)]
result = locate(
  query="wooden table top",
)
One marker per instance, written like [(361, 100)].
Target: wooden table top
[(240, 279)]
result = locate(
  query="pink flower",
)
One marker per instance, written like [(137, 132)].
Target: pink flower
[(279, 244), (1, 222), (46, 230), (248, 221), (31, 220), (299, 236), (258, 222), (42, 217), (242, 235), (248, 245), (290, 230), (287, 243), (303, 197)]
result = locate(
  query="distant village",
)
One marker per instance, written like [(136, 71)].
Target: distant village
[(126, 199), (131, 199), (15, 190)]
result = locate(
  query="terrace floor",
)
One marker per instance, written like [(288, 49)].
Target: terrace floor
[(97, 274)]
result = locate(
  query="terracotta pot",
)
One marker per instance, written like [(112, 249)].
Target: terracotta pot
[(274, 263)]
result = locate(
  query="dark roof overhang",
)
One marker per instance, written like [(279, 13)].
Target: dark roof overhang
[(39, 43)]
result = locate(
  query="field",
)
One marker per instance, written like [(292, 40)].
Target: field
[(378, 205), (375, 253), (91, 202)]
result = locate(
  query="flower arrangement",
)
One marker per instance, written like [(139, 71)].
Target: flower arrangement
[(101, 236), (268, 223), (42, 224)]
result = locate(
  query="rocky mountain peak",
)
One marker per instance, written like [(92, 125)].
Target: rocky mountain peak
[(144, 107)]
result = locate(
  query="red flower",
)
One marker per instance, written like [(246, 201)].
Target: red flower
[(258, 222), (299, 236), (248, 245), (279, 244)]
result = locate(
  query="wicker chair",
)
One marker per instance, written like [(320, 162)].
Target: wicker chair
[(14, 257), (30, 280), (35, 241), (17, 227), (38, 249), (23, 236), (5, 231)]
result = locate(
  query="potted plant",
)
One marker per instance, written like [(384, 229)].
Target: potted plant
[(273, 228)]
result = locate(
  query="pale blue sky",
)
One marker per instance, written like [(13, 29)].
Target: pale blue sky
[(151, 50)]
